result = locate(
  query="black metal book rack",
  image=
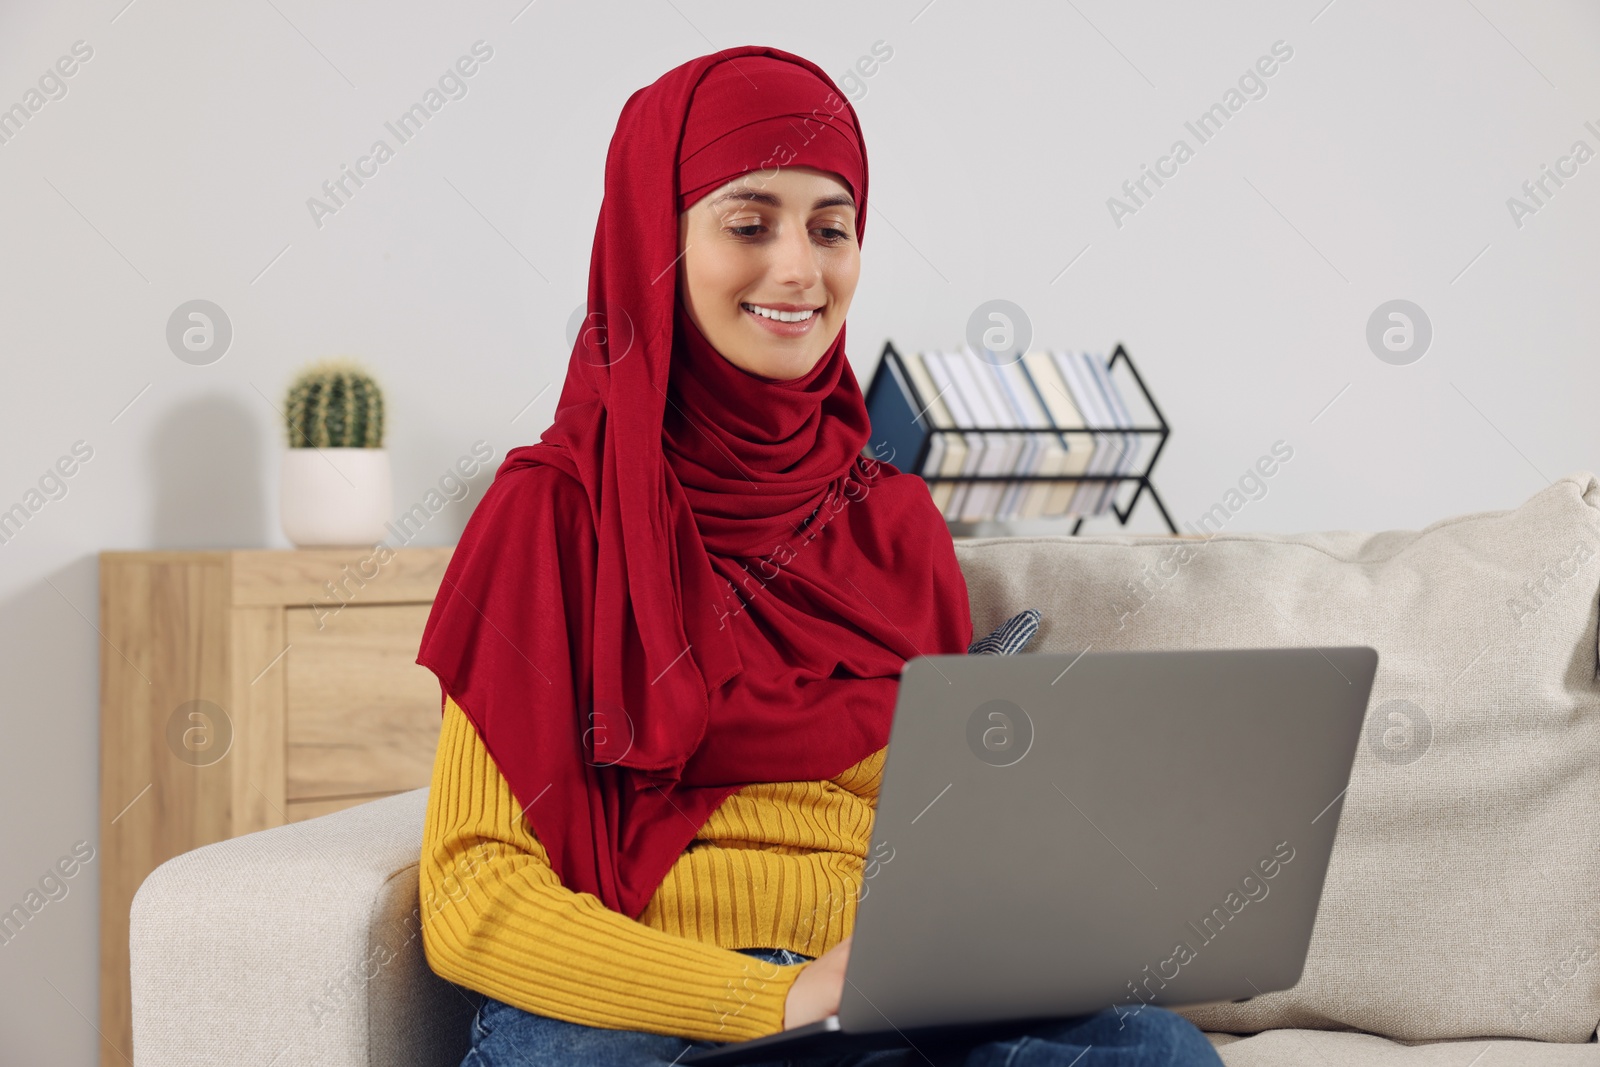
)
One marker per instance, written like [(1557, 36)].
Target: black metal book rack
[(899, 420)]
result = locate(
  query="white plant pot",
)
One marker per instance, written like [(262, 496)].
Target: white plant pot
[(335, 497)]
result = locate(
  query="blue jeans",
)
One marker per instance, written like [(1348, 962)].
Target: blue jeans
[(507, 1036)]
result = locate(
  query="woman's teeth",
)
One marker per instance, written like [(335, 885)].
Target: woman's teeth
[(781, 316)]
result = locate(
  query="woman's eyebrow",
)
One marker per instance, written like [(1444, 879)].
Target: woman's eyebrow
[(754, 196)]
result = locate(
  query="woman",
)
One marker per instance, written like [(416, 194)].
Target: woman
[(669, 639)]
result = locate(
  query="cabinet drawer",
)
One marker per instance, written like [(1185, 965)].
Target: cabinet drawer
[(362, 717)]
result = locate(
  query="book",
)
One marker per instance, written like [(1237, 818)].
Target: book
[(1083, 394), (1129, 456), (892, 410), (1052, 391), (984, 497), (933, 457), (1095, 379), (1051, 451), (937, 414), (956, 400), (1033, 446), (1018, 448), (1116, 449)]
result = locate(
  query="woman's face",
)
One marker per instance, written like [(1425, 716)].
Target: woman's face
[(781, 243)]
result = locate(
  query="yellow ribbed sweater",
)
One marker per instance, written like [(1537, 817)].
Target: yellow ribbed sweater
[(778, 864)]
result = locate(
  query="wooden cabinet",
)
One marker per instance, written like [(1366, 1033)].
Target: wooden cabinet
[(241, 690)]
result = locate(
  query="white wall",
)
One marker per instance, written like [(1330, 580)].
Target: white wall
[(179, 162)]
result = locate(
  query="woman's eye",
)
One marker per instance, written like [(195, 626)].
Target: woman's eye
[(830, 234)]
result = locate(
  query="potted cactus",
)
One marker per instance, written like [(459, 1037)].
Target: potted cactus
[(336, 489)]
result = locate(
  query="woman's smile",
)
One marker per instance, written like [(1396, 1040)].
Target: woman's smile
[(782, 319)]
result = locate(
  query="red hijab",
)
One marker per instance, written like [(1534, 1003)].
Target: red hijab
[(736, 601)]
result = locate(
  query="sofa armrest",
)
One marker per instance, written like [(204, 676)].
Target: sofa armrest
[(298, 945)]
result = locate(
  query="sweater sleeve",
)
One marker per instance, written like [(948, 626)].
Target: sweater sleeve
[(497, 919)]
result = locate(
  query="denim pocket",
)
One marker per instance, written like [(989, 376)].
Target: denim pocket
[(781, 956), (480, 1030)]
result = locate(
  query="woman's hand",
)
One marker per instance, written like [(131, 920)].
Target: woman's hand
[(815, 993)]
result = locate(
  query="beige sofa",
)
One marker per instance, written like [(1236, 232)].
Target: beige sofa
[(1460, 921)]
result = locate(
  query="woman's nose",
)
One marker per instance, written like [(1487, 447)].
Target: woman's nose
[(794, 261)]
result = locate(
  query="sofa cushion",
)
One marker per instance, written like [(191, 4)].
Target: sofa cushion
[(1463, 893)]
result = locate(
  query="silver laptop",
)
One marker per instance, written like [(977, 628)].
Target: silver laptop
[(1060, 833)]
